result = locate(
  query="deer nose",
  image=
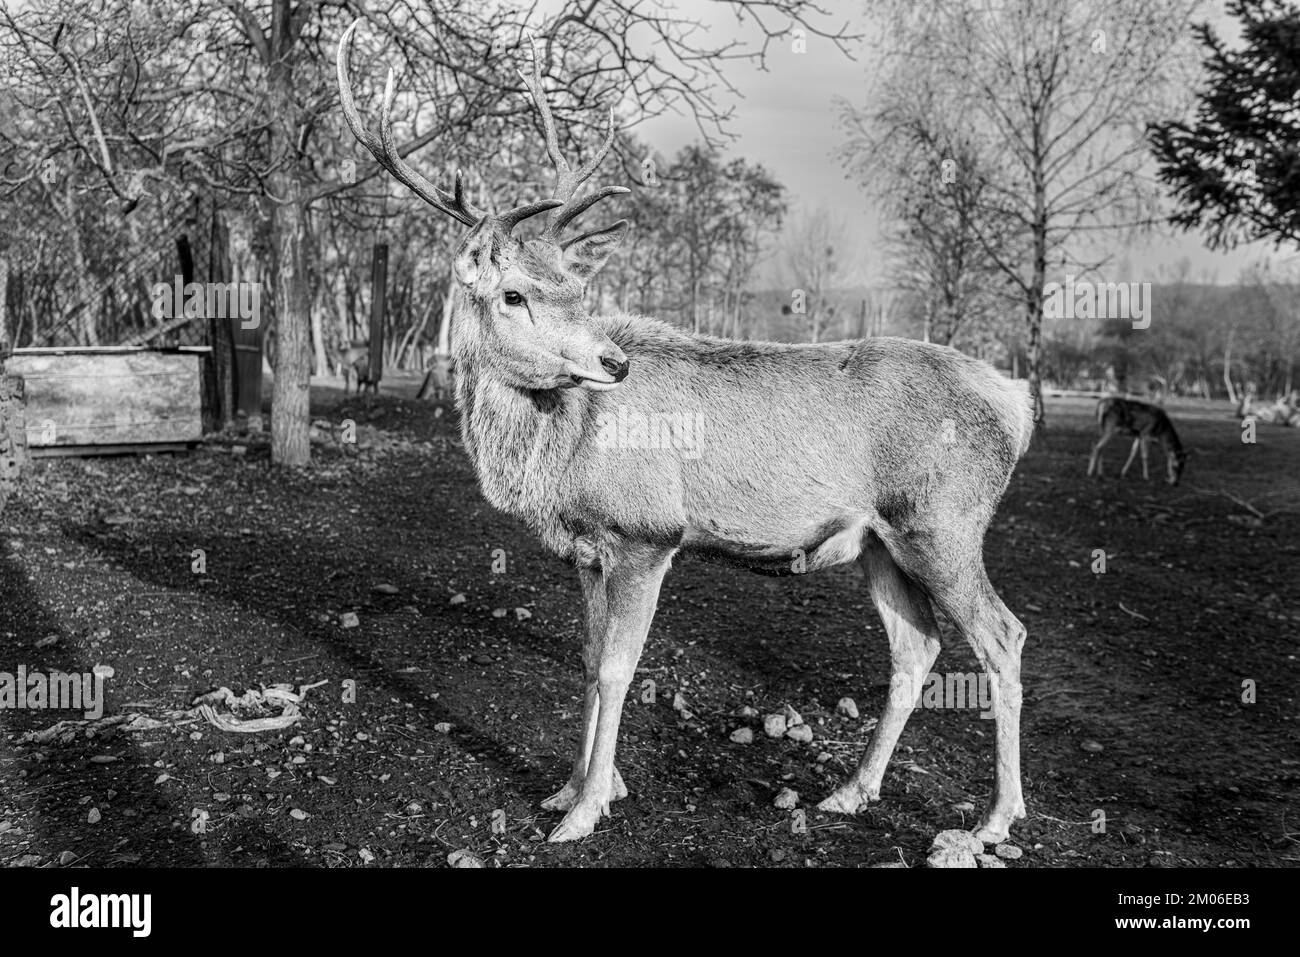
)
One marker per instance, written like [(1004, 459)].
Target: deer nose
[(615, 367)]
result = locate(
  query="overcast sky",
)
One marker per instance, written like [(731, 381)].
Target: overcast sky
[(786, 120)]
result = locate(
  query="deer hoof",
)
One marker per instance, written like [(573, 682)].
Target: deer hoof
[(847, 800), (563, 799), (996, 828), (578, 823), (992, 832)]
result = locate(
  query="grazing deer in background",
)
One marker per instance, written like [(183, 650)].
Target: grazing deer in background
[(888, 452), (355, 361), (1144, 422), (437, 381)]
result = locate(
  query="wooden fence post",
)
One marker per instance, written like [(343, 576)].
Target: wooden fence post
[(220, 336), (378, 308)]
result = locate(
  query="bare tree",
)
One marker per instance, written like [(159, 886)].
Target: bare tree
[(1281, 327), (1056, 94), (927, 175), (702, 228), (818, 259)]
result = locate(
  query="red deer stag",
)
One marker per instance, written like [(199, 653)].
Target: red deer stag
[(888, 452)]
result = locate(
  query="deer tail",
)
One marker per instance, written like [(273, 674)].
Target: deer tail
[(1015, 407), (1025, 408)]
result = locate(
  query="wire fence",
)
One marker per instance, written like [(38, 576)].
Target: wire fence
[(96, 280)]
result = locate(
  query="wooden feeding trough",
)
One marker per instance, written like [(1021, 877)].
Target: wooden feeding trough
[(111, 400)]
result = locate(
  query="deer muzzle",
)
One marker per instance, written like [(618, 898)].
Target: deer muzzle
[(612, 365)]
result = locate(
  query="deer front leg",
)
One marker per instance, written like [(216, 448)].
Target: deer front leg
[(1131, 453), (1094, 462), (632, 576), (593, 602), (1146, 476)]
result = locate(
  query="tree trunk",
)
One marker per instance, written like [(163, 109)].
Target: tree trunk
[(320, 362), (1227, 366), (291, 391), (695, 305), (1034, 307), (344, 324), (7, 341)]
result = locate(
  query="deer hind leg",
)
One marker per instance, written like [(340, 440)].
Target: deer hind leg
[(632, 578), (1131, 452), (1146, 476), (1094, 462), (997, 637), (913, 646), (593, 603)]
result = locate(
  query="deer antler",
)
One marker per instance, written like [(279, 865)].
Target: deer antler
[(384, 149), (567, 179)]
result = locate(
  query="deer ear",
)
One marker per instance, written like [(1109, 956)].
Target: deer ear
[(475, 256), (585, 255)]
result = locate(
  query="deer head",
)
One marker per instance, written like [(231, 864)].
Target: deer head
[(522, 319), (1175, 462)]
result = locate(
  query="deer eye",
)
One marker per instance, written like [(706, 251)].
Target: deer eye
[(513, 298)]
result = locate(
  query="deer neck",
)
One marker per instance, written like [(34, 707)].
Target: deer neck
[(520, 441)]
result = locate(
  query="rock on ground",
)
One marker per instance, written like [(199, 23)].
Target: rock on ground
[(954, 839), (951, 857), (786, 799)]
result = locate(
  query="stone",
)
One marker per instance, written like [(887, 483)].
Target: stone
[(955, 839), (950, 857)]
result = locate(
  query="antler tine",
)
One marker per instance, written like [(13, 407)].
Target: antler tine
[(384, 148), (406, 174), (512, 218), (573, 210), (544, 108), (584, 172), (341, 60), (567, 179)]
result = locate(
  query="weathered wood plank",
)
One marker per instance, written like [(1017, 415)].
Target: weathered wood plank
[(120, 398)]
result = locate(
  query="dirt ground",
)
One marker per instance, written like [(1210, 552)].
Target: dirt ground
[(465, 668)]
